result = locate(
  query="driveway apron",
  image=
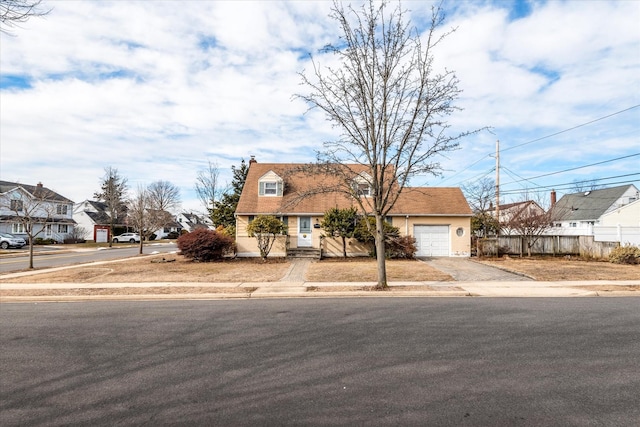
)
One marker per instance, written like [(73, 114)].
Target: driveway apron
[(466, 270)]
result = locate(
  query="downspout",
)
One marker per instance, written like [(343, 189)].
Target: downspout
[(406, 225)]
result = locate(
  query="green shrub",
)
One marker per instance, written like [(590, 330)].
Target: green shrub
[(42, 241), (625, 255), (205, 245), (173, 235)]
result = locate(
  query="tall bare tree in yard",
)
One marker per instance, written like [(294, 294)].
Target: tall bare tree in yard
[(389, 103), (113, 192), (150, 208), (15, 12), (208, 187)]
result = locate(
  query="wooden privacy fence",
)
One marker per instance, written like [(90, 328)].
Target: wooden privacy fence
[(584, 246)]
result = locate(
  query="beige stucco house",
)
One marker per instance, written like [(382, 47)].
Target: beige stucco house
[(439, 218)]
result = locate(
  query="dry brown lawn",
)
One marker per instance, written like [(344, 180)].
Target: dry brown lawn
[(148, 269), (553, 269), (365, 270)]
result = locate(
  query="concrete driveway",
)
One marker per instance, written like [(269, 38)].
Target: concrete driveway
[(466, 270)]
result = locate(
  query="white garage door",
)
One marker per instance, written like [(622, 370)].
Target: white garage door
[(432, 240)]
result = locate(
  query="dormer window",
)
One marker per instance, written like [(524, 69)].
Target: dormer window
[(270, 184), (362, 185), (363, 190)]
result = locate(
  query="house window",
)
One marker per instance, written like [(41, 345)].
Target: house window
[(17, 228), (363, 190), (270, 188), (48, 230), (573, 224), (17, 205), (62, 209), (63, 228)]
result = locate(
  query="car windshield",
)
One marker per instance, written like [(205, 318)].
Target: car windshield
[(7, 235)]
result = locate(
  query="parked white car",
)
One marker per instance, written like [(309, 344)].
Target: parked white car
[(127, 237), (10, 241)]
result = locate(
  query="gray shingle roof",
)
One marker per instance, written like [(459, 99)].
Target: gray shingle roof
[(34, 190), (587, 206)]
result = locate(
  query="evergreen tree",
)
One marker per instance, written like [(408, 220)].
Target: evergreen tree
[(223, 210)]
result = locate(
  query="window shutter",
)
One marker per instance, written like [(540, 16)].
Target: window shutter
[(279, 188), (261, 189)]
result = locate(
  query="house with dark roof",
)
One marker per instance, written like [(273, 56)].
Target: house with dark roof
[(48, 212), (190, 221), (439, 218), (93, 217), (577, 214)]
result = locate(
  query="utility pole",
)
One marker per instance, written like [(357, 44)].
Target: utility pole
[(498, 185)]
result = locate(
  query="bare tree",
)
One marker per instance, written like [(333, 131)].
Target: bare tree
[(34, 211), (388, 101), (480, 195), (207, 186), (582, 186), (530, 221), (15, 12), (149, 209), (113, 192)]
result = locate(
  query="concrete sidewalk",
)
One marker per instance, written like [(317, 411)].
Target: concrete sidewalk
[(23, 292)]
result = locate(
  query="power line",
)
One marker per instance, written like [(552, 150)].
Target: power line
[(572, 184), (536, 140), (573, 128), (576, 168)]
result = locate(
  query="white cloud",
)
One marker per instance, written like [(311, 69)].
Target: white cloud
[(157, 89)]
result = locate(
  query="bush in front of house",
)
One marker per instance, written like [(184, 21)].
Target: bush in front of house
[(173, 235), (401, 247), (205, 245), (625, 255)]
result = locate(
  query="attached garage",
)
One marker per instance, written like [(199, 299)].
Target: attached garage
[(432, 240)]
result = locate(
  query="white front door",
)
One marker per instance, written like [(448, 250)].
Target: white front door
[(304, 232)]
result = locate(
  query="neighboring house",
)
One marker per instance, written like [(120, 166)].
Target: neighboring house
[(577, 214), (439, 218), (93, 217), (620, 225), (516, 211), (172, 227), (50, 213), (191, 221)]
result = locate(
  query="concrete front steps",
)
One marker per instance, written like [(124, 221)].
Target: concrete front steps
[(303, 253)]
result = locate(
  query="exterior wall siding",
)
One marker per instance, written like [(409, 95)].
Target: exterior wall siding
[(247, 246)]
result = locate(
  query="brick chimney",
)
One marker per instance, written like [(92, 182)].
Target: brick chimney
[(253, 160), (553, 198)]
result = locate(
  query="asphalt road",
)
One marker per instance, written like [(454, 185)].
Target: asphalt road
[(56, 257), (400, 361)]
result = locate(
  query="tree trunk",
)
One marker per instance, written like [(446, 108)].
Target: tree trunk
[(31, 252), (110, 235), (344, 246), (141, 240), (380, 251)]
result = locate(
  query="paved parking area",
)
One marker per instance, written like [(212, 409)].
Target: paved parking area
[(466, 270)]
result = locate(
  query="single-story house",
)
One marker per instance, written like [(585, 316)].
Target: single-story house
[(439, 218)]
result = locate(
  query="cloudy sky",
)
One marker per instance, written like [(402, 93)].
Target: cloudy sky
[(157, 89)]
